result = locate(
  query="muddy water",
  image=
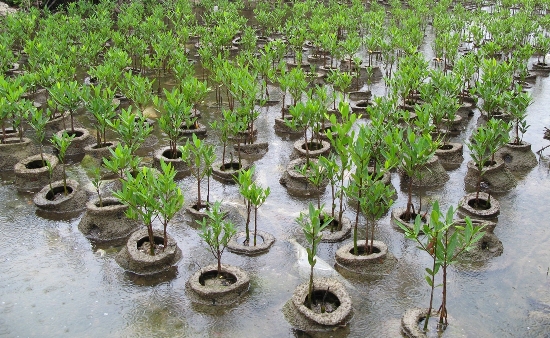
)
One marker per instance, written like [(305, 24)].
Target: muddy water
[(54, 282)]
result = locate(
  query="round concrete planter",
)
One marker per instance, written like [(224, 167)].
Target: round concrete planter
[(204, 292), (281, 127), (264, 242), (430, 174), (252, 149), (397, 216), (316, 148), (496, 176), (487, 247), (61, 122), (517, 157), (410, 321), (82, 139), (339, 234), (380, 262), (106, 223), (360, 106), (103, 151), (13, 151), (227, 172), (303, 318), (450, 155), (132, 259), (30, 175), (466, 206), (200, 131), (360, 95), (198, 215), (75, 200), (298, 184), (178, 164)]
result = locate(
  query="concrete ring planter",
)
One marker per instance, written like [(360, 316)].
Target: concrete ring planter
[(541, 67), (360, 106), (410, 320), (178, 164), (450, 155), (252, 149), (487, 247), (200, 131), (298, 184), (203, 292), (13, 151), (75, 200), (281, 127), (378, 263), (338, 235), (318, 148), (267, 241), (226, 172), (30, 175), (360, 95), (82, 139), (397, 216), (466, 206), (433, 174), (102, 151), (518, 157), (496, 176), (198, 215), (56, 124), (303, 318), (106, 223), (130, 258)]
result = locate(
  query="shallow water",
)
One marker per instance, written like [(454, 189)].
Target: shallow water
[(56, 283)]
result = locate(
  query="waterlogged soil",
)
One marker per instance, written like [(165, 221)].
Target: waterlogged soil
[(56, 283)]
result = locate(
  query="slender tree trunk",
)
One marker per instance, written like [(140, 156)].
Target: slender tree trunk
[(219, 263), (247, 225), (151, 239), (432, 289), (255, 223), (165, 235)]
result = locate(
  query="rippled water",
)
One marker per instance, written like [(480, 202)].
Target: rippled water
[(55, 283)]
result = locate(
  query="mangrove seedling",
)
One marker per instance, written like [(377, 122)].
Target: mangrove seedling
[(68, 96), (132, 128), (61, 143), (99, 101)]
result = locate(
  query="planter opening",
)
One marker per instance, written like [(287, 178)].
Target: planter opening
[(37, 164), (58, 192), (411, 218), (76, 133), (489, 163), (312, 146), (200, 208), (479, 204), (212, 280), (259, 240), (102, 145), (168, 154), (108, 203), (333, 226), (362, 252), (445, 147), (230, 166), (507, 158), (194, 126), (484, 245), (143, 245), (322, 301)]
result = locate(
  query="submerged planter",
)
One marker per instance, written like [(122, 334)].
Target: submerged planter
[(54, 200), (252, 149), (82, 139), (264, 241), (496, 176), (487, 208), (316, 148), (227, 172), (106, 223), (13, 151), (336, 232), (135, 257), (379, 263), (338, 309), (431, 174), (178, 164), (518, 157), (281, 127), (411, 320), (450, 155), (487, 247), (206, 287), (31, 175), (298, 184)]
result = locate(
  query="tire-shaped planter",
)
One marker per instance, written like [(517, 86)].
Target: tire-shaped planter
[(103, 151), (82, 139), (58, 123), (298, 184), (13, 151), (281, 127), (490, 211), (410, 320), (450, 155), (342, 232), (432, 174), (303, 318), (74, 201), (252, 149), (200, 131), (360, 95), (317, 148), (379, 263), (360, 107), (397, 216), (267, 241), (132, 259), (106, 223), (227, 172), (178, 164), (30, 175), (496, 176), (518, 157), (204, 293)]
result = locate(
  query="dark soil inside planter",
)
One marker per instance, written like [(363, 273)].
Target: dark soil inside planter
[(411, 218), (479, 204), (259, 240), (489, 163), (333, 226), (76, 133), (58, 192), (445, 147), (144, 246), (362, 252), (37, 164), (230, 166), (213, 280), (107, 203), (102, 145), (313, 146), (194, 126), (168, 154), (202, 208), (322, 301)]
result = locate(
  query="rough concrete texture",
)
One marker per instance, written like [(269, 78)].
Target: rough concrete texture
[(106, 223), (100, 153), (338, 235), (487, 247), (228, 175), (397, 213), (74, 201), (429, 175), (497, 177), (200, 131), (465, 209), (298, 184), (299, 150), (252, 149), (451, 156), (130, 258), (178, 164), (35, 179), (410, 320), (376, 264), (218, 295), (281, 127), (78, 143), (266, 240), (302, 318), (13, 151), (5, 9), (518, 157)]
